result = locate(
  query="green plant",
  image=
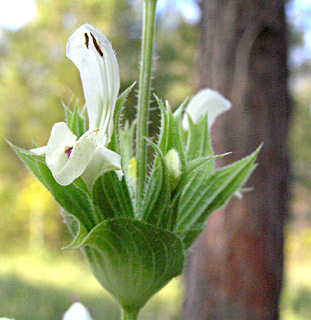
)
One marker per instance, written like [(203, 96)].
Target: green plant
[(134, 225)]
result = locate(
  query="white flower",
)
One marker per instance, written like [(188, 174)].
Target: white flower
[(92, 54), (208, 102), (77, 312), (66, 156)]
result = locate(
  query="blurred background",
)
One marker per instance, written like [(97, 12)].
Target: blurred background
[(37, 279)]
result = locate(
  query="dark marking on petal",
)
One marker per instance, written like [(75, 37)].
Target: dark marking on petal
[(96, 45), (68, 151), (86, 40)]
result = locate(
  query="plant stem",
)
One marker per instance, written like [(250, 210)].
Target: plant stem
[(144, 97), (129, 315)]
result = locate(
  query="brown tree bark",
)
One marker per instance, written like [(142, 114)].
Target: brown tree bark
[(235, 269)]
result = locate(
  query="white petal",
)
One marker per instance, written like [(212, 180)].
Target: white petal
[(61, 139), (39, 152), (77, 312), (120, 174), (208, 102), (67, 168), (92, 53), (103, 160)]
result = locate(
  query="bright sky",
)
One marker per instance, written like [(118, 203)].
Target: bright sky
[(188, 8), (299, 13), (15, 13)]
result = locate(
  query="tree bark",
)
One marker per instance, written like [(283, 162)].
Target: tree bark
[(235, 269)]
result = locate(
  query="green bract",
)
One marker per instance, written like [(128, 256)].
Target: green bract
[(134, 248)]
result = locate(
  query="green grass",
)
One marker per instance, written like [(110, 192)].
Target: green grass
[(296, 296), (23, 300), (39, 286)]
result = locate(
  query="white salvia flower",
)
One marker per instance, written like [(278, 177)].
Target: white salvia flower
[(77, 312), (208, 102), (92, 54), (66, 156)]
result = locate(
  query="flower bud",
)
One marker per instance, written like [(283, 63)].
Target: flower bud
[(174, 167), (132, 170)]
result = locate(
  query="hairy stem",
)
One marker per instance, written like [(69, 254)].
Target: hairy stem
[(144, 97)]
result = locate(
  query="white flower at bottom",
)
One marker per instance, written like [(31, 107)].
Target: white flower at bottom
[(77, 312), (208, 102)]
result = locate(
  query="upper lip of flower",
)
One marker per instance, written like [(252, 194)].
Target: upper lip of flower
[(93, 55)]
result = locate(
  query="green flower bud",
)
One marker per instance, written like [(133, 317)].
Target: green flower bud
[(174, 167), (133, 169)]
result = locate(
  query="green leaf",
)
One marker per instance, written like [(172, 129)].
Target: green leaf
[(71, 197), (132, 259), (163, 136), (68, 114), (174, 132), (111, 197), (170, 135), (81, 184), (205, 193), (77, 125), (31, 162), (126, 145), (75, 120), (199, 143), (72, 223), (77, 229), (126, 149), (158, 193), (188, 237), (191, 169), (114, 144)]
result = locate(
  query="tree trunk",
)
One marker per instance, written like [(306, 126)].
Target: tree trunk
[(235, 269)]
